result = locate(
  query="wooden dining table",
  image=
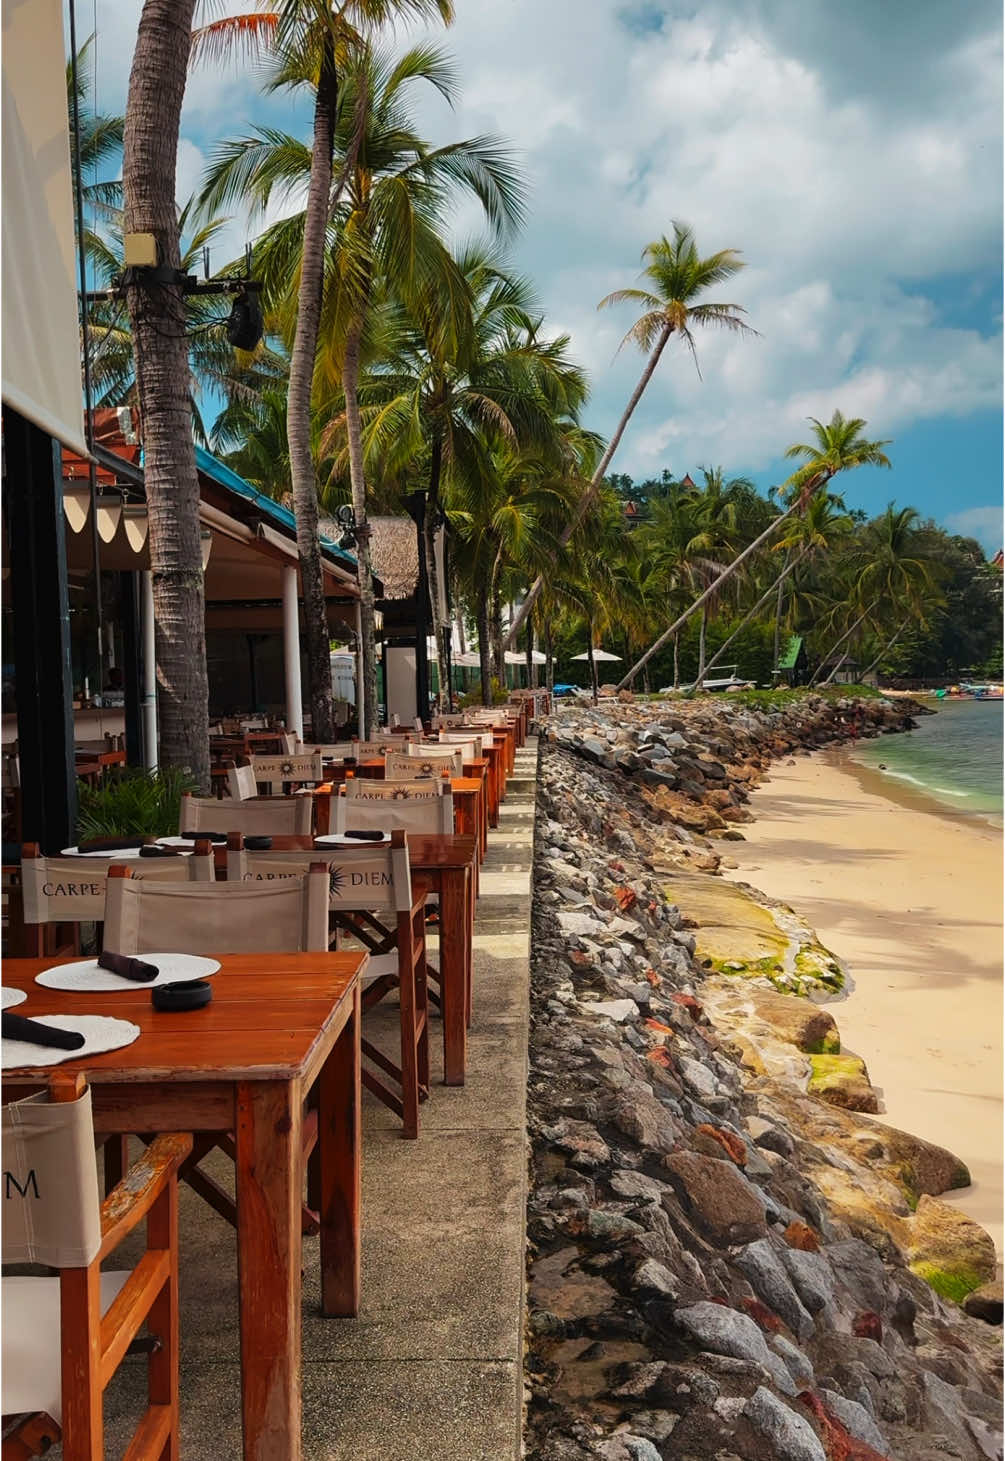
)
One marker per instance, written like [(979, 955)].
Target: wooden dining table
[(446, 866), (278, 1025)]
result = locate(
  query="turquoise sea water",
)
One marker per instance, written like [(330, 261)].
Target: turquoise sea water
[(954, 757)]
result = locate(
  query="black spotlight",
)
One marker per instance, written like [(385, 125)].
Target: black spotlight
[(246, 325)]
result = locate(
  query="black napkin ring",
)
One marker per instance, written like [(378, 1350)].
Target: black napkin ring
[(184, 994)]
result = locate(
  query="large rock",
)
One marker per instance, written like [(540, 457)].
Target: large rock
[(719, 1199), (724, 1331), (802, 1023), (759, 1263), (952, 1253), (843, 1081), (986, 1302), (791, 1437)]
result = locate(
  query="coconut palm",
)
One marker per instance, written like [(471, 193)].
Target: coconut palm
[(313, 41), (839, 447), (676, 277)]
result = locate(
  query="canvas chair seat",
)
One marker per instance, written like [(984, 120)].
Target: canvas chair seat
[(31, 1378), (52, 1216)]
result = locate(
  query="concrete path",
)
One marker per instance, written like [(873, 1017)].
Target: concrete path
[(432, 1368)]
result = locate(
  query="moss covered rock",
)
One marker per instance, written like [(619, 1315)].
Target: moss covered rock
[(843, 1081), (802, 1023), (952, 1253)]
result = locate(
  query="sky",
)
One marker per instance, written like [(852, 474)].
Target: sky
[(851, 152)]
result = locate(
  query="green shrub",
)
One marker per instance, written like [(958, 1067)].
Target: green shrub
[(132, 803)]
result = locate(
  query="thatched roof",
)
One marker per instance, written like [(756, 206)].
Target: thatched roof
[(394, 552)]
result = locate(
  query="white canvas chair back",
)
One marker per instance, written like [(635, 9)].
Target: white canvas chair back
[(448, 722), (379, 745), (263, 816), (366, 878), (480, 738), (366, 789), (335, 751), (241, 782), (288, 915), (72, 889), (430, 760), (51, 1210), (273, 771), (431, 817)]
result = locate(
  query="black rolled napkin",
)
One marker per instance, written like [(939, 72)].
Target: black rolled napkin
[(363, 836), (17, 1027), (128, 967), (112, 844), (154, 851)]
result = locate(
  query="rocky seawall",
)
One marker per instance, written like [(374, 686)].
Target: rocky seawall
[(723, 1262)]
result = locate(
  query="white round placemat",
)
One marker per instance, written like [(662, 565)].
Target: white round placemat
[(86, 977), (119, 854), (339, 839), (100, 1032), (10, 997)]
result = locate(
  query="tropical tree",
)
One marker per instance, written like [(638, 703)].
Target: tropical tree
[(313, 40), (158, 320), (839, 446), (676, 277)]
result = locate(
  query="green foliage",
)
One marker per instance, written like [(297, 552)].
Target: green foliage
[(499, 694), (132, 803)]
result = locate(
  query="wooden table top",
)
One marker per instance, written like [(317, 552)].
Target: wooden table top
[(266, 1016), (425, 850)]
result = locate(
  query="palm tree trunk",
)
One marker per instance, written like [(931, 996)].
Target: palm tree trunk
[(588, 496), (704, 597), (354, 435), (432, 571), (530, 657), (778, 583), (157, 316), (846, 636), (498, 656), (484, 642), (701, 647), (776, 653), (549, 660), (298, 411), (594, 681), (676, 661), (887, 647)]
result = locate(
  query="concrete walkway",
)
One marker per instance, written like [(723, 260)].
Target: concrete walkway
[(432, 1368)]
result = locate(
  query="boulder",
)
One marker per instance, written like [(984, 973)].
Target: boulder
[(952, 1253), (725, 1332), (843, 1081), (721, 1201), (986, 1302), (791, 1438), (806, 1025), (759, 1263)]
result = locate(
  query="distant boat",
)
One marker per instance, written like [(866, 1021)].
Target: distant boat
[(728, 681)]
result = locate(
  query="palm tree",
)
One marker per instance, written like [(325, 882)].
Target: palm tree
[(839, 447), (677, 276), (157, 316), (314, 40), (100, 141)]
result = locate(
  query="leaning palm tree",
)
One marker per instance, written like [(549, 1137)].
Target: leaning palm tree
[(677, 276), (839, 447), (313, 40)]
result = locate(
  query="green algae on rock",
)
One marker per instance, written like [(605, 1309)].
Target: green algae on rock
[(843, 1081), (952, 1253)]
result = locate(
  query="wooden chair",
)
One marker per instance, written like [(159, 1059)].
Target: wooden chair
[(371, 901), (428, 812), (289, 916), (241, 781), (275, 772), (71, 890), (65, 1337), (408, 765), (481, 739), (259, 816)]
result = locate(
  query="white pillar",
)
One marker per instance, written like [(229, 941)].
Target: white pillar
[(148, 701), (360, 711), (291, 654)]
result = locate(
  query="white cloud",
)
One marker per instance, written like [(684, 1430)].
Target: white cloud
[(982, 523)]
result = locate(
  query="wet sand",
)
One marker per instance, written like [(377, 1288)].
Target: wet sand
[(911, 902)]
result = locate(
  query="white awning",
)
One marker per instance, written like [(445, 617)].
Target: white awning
[(41, 337)]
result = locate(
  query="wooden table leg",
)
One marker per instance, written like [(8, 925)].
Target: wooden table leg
[(269, 1170), (340, 1141), (454, 957)]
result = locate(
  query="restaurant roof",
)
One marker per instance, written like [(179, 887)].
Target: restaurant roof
[(791, 652)]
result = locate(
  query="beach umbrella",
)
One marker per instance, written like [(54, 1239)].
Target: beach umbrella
[(598, 654), (469, 660), (514, 657)]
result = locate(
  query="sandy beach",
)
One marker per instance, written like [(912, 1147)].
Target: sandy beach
[(910, 901)]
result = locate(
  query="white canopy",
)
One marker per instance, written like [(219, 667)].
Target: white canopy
[(468, 660), (598, 655), (519, 657), (41, 337)]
